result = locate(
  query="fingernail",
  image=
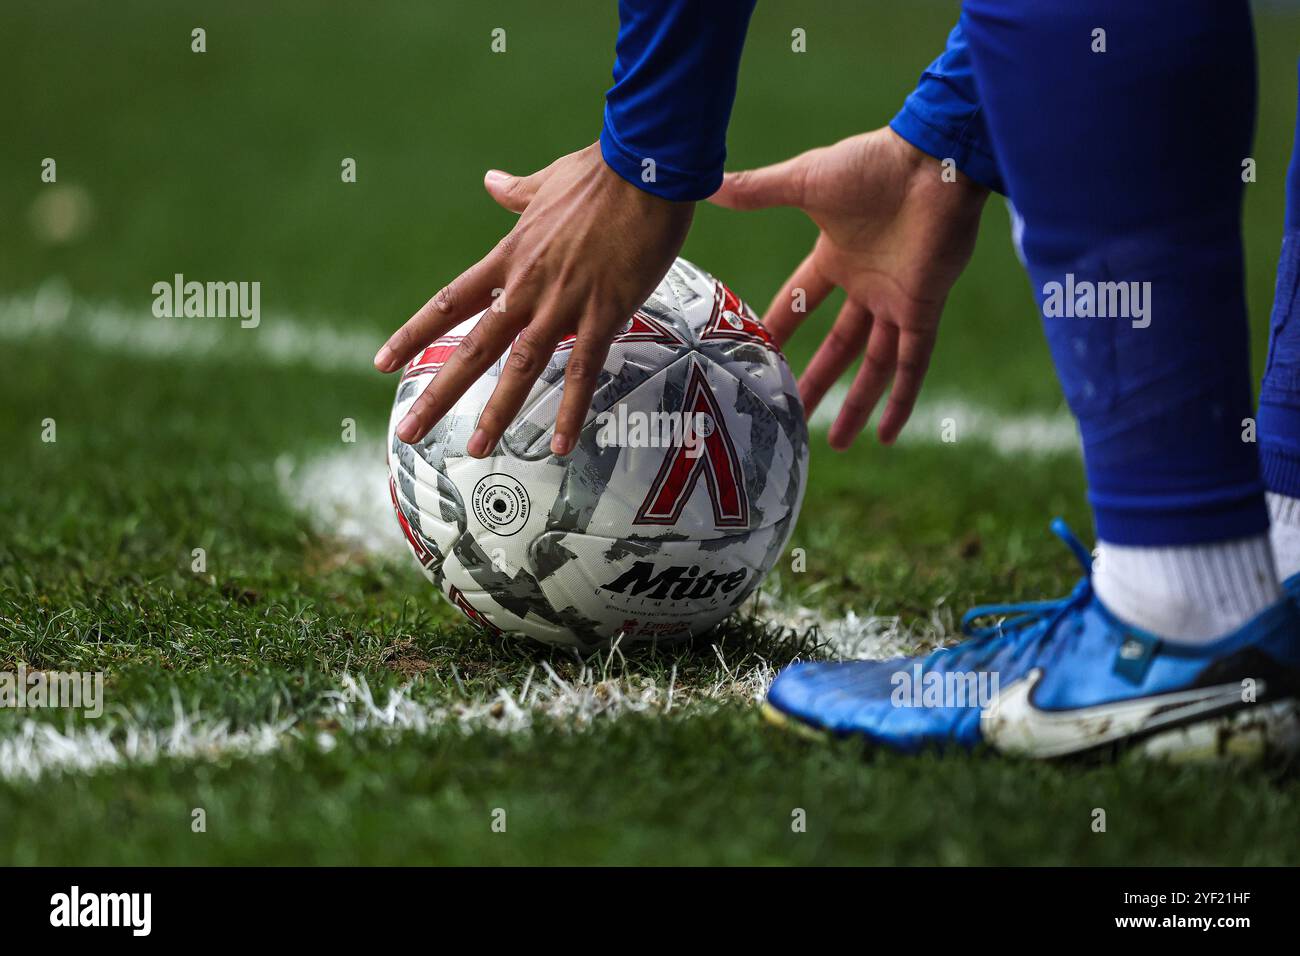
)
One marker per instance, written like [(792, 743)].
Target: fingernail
[(560, 444), (408, 428), (496, 176), (478, 444), (384, 359)]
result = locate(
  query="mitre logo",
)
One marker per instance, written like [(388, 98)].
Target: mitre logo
[(677, 582)]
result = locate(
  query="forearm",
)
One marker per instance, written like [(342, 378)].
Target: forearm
[(674, 83)]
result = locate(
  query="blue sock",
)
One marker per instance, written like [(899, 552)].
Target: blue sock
[(1100, 138)]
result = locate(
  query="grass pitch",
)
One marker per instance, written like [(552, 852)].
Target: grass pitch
[(305, 690)]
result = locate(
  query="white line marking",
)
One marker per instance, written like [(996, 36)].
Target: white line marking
[(345, 495), (39, 749), (280, 339), (283, 339), (862, 636), (1030, 433)]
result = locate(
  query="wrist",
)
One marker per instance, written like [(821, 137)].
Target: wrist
[(923, 169), (647, 202), (926, 142), (650, 175)]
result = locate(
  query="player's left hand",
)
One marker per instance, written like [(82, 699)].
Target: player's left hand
[(895, 234)]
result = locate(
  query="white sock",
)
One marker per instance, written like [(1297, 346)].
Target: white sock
[(1192, 594), (1285, 533)]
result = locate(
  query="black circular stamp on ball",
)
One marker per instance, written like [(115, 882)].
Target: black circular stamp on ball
[(501, 504)]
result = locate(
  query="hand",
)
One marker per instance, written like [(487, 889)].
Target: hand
[(588, 249), (894, 236)]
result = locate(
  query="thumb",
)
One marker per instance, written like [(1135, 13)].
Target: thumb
[(784, 184), (512, 192)]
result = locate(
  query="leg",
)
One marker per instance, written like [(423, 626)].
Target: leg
[(1123, 155), (1126, 167), (1279, 399)]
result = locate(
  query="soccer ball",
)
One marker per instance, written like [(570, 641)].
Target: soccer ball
[(678, 499)]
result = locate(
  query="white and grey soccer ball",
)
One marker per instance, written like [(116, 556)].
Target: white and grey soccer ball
[(680, 496)]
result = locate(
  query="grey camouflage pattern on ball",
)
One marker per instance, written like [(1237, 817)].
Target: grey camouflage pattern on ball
[(628, 541)]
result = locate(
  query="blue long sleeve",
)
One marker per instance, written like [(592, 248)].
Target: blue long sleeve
[(943, 116), (674, 83)]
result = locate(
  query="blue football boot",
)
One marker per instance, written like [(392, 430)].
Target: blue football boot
[(1065, 677)]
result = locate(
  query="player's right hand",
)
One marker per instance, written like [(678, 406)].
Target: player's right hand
[(588, 249)]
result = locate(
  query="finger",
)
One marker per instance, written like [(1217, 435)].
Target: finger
[(802, 293), (480, 348), (513, 192), (783, 184), (843, 344), (455, 302), (868, 385), (529, 353), (914, 351), (590, 349)]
